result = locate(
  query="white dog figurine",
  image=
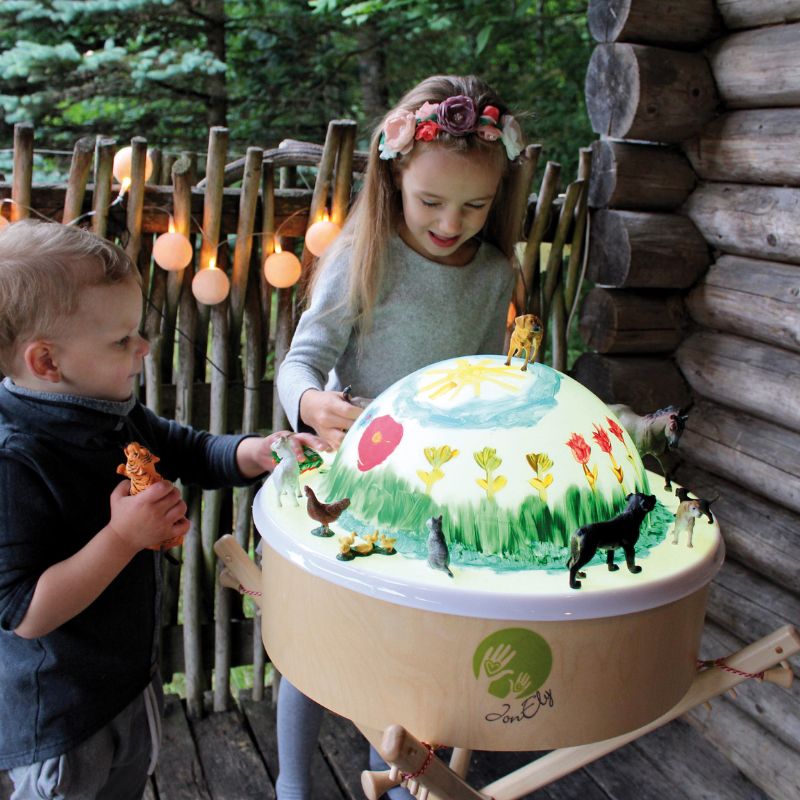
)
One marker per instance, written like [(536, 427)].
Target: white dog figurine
[(688, 512), (286, 476)]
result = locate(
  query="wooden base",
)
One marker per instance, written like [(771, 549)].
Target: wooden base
[(381, 663)]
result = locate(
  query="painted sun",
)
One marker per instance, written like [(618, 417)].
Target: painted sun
[(471, 375)]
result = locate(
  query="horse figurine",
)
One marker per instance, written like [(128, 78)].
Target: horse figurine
[(653, 434), (286, 476)]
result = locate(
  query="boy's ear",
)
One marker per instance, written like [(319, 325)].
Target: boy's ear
[(40, 361)]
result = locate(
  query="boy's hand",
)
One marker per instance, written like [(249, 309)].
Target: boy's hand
[(254, 454), (329, 414), (150, 518)]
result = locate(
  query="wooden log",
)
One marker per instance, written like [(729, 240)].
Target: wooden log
[(635, 250), (749, 606), (103, 176), (767, 762), (613, 321), (639, 177), (758, 68), (761, 456), (776, 711), (135, 198), (758, 146), (649, 93), (212, 206), (82, 156), (755, 221), (21, 187), (644, 384), (756, 531), (757, 299), (743, 374), (686, 23), (738, 14)]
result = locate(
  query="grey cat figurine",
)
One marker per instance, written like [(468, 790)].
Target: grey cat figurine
[(438, 554)]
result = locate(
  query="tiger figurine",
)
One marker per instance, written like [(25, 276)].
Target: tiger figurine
[(140, 469)]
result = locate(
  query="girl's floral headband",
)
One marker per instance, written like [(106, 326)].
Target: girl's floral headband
[(457, 116)]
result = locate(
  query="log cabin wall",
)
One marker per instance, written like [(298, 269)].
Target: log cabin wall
[(695, 253)]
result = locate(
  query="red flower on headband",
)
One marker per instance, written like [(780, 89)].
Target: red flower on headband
[(427, 131), (491, 112)]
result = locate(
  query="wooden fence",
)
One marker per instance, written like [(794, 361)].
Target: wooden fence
[(212, 366), (696, 244)]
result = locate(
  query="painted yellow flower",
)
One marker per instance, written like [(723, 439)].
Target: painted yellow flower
[(488, 460)]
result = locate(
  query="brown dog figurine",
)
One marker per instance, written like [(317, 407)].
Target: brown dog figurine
[(527, 336)]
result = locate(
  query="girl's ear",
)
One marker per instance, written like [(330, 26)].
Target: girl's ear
[(40, 361)]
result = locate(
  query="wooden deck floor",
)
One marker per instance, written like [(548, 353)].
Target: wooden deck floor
[(233, 756)]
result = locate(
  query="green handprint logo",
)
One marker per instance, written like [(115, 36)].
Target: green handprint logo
[(512, 661)]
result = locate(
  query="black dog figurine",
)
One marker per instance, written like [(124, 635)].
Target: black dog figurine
[(621, 531)]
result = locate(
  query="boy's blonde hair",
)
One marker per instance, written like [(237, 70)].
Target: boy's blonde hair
[(378, 208), (43, 268)]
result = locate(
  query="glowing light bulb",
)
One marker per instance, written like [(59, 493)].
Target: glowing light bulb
[(211, 285), (282, 268), (321, 234), (172, 251), (122, 165)]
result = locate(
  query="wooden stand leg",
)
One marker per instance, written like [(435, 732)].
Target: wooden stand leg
[(754, 659)]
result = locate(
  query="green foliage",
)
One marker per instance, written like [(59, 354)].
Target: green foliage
[(168, 69)]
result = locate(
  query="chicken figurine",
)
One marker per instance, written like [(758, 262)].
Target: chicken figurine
[(324, 513)]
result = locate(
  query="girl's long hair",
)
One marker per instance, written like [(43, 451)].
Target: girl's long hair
[(377, 209)]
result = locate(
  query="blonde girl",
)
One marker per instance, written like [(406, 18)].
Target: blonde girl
[(421, 272)]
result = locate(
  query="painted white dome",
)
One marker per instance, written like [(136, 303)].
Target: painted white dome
[(514, 461)]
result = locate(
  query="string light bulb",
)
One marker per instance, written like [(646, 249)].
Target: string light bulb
[(211, 285), (282, 268), (321, 234), (172, 251), (122, 166)]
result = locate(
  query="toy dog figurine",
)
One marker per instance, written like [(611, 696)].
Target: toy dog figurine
[(621, 531), (527, 336), (688, 512), (703, 505)]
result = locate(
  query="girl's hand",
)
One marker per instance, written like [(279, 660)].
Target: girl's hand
[(328, 414), (150, 518)]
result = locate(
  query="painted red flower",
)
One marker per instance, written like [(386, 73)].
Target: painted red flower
[(601, 437), (378, 442), (615, 429), (580, 449)]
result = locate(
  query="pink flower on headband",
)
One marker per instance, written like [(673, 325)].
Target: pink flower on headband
[(426, 110), (457, 115), (511, 136), (398, 134)]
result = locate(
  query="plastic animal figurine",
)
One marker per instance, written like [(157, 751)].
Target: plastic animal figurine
[(139, 467), (705, 505), (324, 513), (387, 544), (527, 336), (653, 434), (688, 512), (609, 535), (367, 546), (286, 476), (438, 554), (345, 544)]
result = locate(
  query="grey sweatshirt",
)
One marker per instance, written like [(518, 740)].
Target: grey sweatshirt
[(426, 312)]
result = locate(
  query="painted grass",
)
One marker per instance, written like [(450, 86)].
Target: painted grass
[(486, 534)]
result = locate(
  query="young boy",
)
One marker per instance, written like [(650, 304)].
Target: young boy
[(79, 556)]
